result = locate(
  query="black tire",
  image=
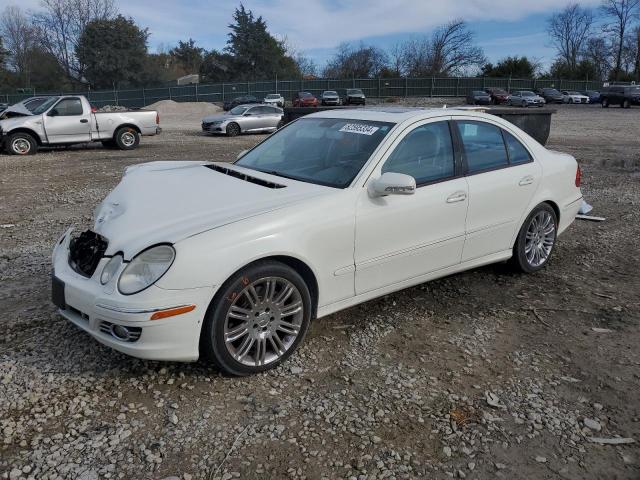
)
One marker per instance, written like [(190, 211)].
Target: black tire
[(21, 143), (126, 138), (605, 103), (233, 129), (625, 104), (213, 347), (109, 144), (519, 259)]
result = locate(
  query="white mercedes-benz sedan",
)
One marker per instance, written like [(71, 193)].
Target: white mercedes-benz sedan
[(230, 262)]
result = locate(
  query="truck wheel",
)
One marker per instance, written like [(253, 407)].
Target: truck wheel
[(21, 144), (233, 129), (605, 103), (625, 104), (127, 138)]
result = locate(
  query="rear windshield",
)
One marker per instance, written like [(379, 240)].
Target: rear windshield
[(273, 95), (324, 151)]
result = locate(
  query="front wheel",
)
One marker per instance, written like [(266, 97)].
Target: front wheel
[(626, 104), (233, 129), (257, 320), (605, 103), (536, 239), (126, 138), (21, 144)]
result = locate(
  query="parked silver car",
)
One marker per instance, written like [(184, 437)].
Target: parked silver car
[(330, 97), (244, 118), (525, 98)]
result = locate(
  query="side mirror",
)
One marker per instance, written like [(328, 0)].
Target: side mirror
[(53, 113), (391, 183), (241, 154), (248, 114)]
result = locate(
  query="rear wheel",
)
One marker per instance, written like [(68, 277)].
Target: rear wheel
[(257, 320), (605, 103), (536, 239), (21, 144), (625, 104), (233, 129), (126, 138)]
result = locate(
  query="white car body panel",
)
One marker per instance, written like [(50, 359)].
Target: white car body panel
[(356, 247)]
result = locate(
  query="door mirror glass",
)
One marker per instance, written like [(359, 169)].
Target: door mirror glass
[(391, 183)]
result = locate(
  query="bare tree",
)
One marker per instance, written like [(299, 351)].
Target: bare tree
[(598, 54), (636, 69), (19, 37), (569, 31), (453, 49), (356, 62), (620, 14), (62, 22), (396, 59)]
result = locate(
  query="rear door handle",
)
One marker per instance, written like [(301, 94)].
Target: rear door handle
[(528, 180), (84, 120), (457, 197)]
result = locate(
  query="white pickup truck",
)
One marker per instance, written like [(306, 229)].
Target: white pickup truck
[(67, 120)]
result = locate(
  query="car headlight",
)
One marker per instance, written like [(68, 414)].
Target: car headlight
[(110, 269), (146, 269)]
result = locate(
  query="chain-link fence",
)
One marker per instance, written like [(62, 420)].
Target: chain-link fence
[(372, 88)]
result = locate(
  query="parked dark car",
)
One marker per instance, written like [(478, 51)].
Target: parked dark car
[(550, 95), (594, 96), (623, 95), (478, 97), (304, 99), (244, 100), (354, 96), (498, 95)]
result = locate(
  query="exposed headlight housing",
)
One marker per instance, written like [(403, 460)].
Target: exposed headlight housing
[(146, 269), (110, 269)]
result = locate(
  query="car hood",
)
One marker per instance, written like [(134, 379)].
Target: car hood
[(7, 124), (18, 109), (165, 202), (220, 118)]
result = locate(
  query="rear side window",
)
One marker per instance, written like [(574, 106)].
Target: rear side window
[(426, 154), (517, 153), (483, 145)]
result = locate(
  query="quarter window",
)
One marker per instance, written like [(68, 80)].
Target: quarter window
[(426, 154), (517, 153), (483, 145)]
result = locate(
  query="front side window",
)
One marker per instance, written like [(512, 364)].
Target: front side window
[(238, 110), (483, 145), (68, 107), (324, 151), (426, 154)]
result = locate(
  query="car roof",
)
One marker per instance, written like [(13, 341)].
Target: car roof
[(396, 114)]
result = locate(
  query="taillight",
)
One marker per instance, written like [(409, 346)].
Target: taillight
[(578, 176), (157, 118)]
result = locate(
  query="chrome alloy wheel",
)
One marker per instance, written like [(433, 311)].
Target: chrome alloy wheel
[(128, 139), (541, 235), (21, 146), (263, 321)]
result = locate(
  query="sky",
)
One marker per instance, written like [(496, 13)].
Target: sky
[(316, 27)]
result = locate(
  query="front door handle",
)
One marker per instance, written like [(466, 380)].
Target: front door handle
[(528, 180), (84, 120), (457, 197)]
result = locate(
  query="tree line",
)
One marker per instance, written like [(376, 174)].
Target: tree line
[(89, 44)]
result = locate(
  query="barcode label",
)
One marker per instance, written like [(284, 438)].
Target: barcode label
[(360, 128)]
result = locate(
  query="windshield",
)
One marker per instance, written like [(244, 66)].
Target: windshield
[(575, 93), (324, 151), (527, 94), (479, 93), (305, 95), (354, 91), (45, 106), (273, 95), (551, 91), (330, 93), (238, 110)]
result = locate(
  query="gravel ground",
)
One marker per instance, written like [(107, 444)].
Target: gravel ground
[(486, 374)]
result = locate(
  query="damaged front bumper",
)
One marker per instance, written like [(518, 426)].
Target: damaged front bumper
[(123, 322)]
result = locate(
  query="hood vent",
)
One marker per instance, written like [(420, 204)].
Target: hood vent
[(245, 177)]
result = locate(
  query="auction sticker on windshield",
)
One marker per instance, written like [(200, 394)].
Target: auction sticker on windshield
[(360, 128)]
